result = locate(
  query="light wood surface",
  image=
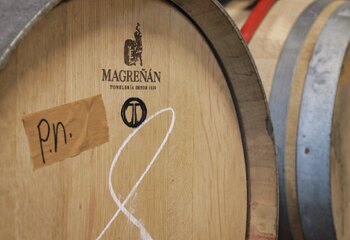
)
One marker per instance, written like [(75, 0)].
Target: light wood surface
[(196, 189), (238, 11), (340, 161), (267, 43)]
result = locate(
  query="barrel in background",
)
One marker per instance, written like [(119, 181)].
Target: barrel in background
[(340, 169), (299, 54)]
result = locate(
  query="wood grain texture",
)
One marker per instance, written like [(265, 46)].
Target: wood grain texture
[(340, 155), (267, 43), (197, 188), (255, 122), (191, 191)]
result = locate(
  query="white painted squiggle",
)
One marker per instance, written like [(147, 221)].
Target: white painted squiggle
[(143, 232)]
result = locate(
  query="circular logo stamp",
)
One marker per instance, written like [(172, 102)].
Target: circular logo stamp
[(134, 112)]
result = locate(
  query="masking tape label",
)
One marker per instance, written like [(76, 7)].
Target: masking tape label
[(66, 131)]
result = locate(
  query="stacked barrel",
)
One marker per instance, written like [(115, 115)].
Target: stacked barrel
[(301, 50)]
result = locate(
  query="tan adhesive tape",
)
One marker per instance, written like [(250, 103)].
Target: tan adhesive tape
[(66, 131)]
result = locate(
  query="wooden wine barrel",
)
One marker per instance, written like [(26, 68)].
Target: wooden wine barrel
[(299, 52), (139, 119), (340, 169)]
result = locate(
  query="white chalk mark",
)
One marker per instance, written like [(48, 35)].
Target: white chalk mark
[(143, 232)]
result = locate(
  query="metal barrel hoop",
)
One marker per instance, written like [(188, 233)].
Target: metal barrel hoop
[(281, 90), (315, 126)]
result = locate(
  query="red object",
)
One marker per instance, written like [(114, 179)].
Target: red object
[(255, 18)]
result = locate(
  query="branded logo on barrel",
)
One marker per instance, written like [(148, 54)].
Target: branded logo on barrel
[(134, 112), (133, 48), (136, 76)]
